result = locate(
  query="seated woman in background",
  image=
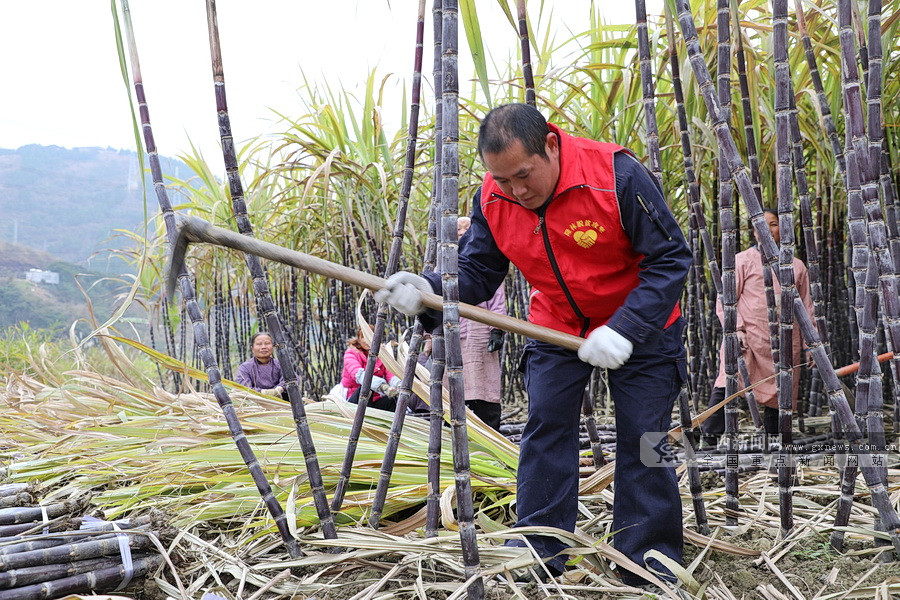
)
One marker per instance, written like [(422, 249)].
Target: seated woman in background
[(262, 372), (383, 381)]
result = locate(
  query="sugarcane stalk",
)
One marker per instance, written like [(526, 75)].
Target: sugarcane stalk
[(697, 222), (40, 542), (81, 550), (648, 91), (880, 498), (878, 165), (784, 177), (694, 483), (449, 284), (12, 489), (821, 98), (525, 47), (869, 371), (18, 578), (201, 337), (25, 527), (587, 409), (47, 541), (858, 152), (746, 106), (67, 528), (12, 500), (435, 386), (365, 392), (101, 580), (393, 259), (15, 515), (809, 232), (393, 441), (696, 209), (261, 284), (728, 225), (856, 20)]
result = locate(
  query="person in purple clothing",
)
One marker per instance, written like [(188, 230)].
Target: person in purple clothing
[(262, 372)]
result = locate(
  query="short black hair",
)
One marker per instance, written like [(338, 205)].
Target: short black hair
[(770, 210), (510, 122)]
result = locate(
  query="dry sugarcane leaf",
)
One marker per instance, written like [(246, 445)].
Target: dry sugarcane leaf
[(698, 539)]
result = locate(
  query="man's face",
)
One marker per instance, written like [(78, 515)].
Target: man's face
[(529, 179), (772, 222)]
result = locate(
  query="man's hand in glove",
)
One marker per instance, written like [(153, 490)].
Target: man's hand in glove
[(402, 291), (275, 391), (605, 348), (496, 340)]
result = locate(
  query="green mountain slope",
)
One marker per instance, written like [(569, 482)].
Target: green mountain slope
[(68, 202)]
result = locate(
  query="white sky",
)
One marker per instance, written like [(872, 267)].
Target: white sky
[(62, 83)]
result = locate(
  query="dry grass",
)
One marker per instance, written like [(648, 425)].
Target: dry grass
[(132, 447)]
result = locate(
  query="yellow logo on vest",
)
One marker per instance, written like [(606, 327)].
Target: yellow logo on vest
[(584, 232)]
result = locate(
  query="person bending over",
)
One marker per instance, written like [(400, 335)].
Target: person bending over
[(587, 225)]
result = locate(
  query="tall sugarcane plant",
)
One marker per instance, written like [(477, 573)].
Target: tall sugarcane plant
[(409, 371), (200, 331), (525, 49), (435, 385), (728, 151), (260, 280), (381, 316), (648, 91), (449, 281), (784, 179)]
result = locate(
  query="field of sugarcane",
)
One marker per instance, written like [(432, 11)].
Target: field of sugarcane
[(132, 465)]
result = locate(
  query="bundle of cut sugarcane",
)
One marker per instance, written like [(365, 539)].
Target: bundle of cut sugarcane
[(48, 552)]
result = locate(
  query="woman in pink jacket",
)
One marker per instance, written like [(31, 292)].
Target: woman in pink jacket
[(384, 383)]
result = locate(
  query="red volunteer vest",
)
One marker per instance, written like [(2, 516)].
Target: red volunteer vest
[(577, 258)]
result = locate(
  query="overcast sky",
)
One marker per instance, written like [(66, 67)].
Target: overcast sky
[(62, 83)]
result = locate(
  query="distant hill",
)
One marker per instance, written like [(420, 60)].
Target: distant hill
[(67, 202), (44, 305)]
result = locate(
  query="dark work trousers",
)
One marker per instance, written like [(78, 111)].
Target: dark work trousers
[(647, 506), (380, 402), (489, 412)]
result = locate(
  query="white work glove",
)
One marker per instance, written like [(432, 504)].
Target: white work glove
[(275, 391), (395, 381), (402, 291), (605, 348), (376, 380)]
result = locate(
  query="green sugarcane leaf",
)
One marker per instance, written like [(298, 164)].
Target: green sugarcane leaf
[(476, 45)]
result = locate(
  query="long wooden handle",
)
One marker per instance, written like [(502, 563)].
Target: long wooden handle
[(193, 229)]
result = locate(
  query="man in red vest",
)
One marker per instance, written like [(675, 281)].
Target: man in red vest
[(587, 225)]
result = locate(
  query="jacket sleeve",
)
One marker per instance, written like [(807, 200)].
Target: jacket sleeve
[(653, 232), (482, 267), (353, 362), (281, 375)]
